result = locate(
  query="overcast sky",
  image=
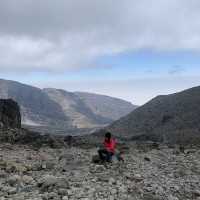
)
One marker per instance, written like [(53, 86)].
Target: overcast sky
[(132, 49)]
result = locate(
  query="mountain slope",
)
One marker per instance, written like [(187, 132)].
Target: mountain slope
[(58, 108), (80, 115), (170, 118), (106, 106), (36, 107)]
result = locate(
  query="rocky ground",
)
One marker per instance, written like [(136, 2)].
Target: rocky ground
[(67, 174)]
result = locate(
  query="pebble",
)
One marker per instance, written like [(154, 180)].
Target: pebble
[(167, 176)]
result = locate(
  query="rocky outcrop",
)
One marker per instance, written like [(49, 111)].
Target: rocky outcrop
[(11, 131), (33, 139), (10, 116)]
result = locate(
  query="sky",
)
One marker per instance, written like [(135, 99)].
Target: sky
[(130, 49)]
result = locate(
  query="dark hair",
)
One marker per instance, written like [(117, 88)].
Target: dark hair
[(108, 135)]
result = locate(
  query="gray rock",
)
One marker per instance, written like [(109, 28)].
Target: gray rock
[(48, 182), (10, 116), (13, 180), (27, 179)]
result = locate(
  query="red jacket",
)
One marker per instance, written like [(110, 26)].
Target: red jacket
[(110, 146)]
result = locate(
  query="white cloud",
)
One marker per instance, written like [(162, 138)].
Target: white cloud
[(56, 35)]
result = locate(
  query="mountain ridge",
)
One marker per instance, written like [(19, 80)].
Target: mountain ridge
[(57, 108), (165, 118)]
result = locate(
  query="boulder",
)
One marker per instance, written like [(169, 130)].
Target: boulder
[(13, 180), (10, 116), (48, 182), (96, 159)]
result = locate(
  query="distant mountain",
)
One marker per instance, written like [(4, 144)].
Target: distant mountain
[(36, 106), (78, 112), (105, 106), (61, 109), (170, 118)]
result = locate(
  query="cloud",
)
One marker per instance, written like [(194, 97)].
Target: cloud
[(57, 35), (176, 70)]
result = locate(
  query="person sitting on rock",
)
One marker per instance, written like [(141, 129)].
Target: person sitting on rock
[(108, 151)]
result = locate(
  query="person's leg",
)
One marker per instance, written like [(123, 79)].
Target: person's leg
[(109, 156), (102, 154)]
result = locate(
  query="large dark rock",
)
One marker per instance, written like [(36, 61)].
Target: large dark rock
[(9, 114)]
